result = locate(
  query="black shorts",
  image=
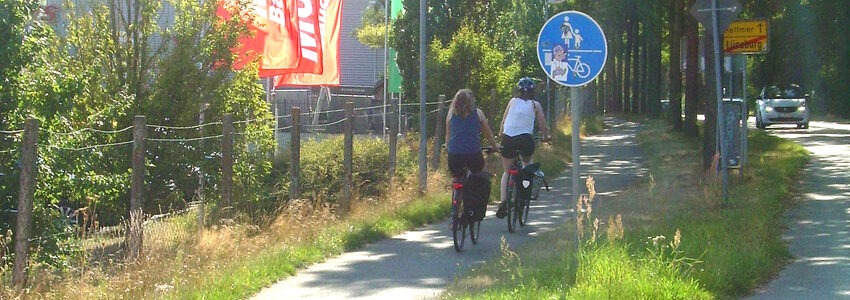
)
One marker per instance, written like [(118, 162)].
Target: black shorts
[(522, 144), (458, 163)]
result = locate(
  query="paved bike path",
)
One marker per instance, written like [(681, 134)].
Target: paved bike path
[(421, 263), (818, 233)]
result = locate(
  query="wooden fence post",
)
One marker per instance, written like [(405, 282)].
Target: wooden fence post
[(402, 120), (201, 174), (134, 237), (201, 216), (393, 138), (295, 152), (494, 110), (276, 127), (25, 198), (348, 154), (439, 134), (226, 161)]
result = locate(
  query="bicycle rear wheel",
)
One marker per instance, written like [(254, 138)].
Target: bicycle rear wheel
[(458, 232), (522, 211), (509, 203), (474, 231), (516, 211), (458, 226)]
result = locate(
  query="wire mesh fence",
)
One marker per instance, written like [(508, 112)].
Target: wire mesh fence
[(184, 169)]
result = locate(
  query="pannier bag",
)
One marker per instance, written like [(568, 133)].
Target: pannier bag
[(537, 183), (476, 194), (529, 181)]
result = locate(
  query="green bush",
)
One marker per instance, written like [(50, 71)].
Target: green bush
[(322, 168)]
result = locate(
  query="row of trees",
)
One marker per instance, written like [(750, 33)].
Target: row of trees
[(483, 44)]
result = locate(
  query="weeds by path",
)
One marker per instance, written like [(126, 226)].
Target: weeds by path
[(716, 252)]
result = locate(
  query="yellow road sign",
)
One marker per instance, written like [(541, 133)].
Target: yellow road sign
[(746, 36)]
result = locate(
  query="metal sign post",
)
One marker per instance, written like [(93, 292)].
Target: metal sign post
[(743, 37), (716, 18), (572, 50), (746, 113)]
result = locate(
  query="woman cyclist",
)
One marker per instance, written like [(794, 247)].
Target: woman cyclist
[(464, 125), (517, 127)]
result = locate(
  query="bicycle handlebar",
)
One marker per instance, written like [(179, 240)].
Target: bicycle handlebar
[(540, 139), (485, 149), (488, 149)]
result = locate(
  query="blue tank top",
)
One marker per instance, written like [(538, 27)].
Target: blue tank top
[(465, 135)]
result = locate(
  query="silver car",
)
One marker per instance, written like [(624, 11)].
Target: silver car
[(782, 105)]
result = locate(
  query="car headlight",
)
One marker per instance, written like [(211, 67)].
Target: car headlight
[(768, 108), (802, 108)]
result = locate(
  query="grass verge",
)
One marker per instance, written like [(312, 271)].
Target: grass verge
[(720, 250), (250, 274), (238, 259)]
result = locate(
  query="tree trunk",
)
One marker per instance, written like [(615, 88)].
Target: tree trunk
[(643, 70), (709, 138), (634, 57), (628, 59), (691, 76), (654, 81), (675, 108)]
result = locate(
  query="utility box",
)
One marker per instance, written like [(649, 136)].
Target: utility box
[(733, 124)]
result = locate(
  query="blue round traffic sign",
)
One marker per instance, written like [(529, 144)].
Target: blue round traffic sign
[(572, 48)]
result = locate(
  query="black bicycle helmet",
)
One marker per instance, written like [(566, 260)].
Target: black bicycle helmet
[(525, 84)]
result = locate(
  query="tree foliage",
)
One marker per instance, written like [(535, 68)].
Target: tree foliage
[(471, 61), (807, 47), (113, 62), (372, 31), (506, 29)]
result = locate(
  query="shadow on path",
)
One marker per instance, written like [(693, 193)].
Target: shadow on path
[(421, 263), (818, 229)]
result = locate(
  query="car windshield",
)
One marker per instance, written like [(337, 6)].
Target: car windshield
[(788, 91)]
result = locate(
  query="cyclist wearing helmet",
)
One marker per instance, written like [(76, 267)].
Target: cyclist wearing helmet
[(516, 134), (464, 125)]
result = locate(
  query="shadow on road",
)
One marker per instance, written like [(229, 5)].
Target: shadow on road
[(818, 229)]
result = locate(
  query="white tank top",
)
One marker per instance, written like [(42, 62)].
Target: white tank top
[(520, 118)]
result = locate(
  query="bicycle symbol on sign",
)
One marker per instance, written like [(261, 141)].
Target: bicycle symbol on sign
[(563, 66), (582, 70)]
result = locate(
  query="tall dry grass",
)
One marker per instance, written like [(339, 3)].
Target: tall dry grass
[(177, 257)]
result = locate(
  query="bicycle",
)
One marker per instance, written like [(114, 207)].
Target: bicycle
[(517, 207), (459, 213)]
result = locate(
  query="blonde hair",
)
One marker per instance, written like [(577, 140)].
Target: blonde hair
[(463, 103)]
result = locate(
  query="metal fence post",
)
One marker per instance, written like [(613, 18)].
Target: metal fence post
[(295, 153)]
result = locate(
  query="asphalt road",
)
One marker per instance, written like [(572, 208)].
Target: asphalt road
[(817, 232), (420, 264)]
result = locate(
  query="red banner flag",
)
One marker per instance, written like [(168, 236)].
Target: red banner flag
[(330, 16), (309, 38), (286, 35)]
